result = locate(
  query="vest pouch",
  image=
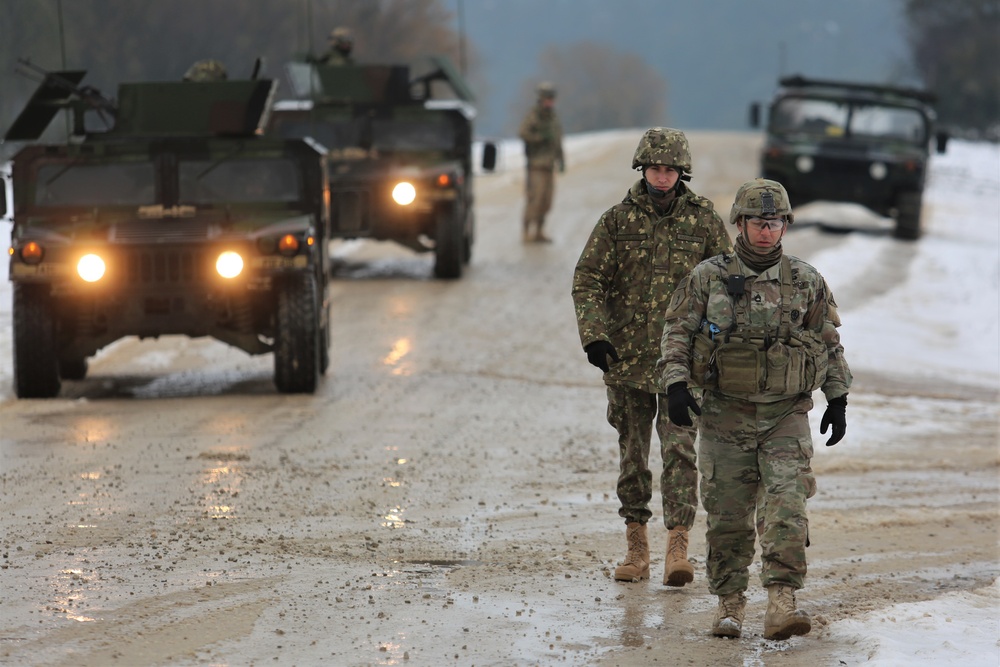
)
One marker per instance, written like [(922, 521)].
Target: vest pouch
[(701, 358), (785, 369), (741, 368), (816, 359)]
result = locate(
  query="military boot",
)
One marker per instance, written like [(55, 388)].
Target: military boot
[(527, 236), (677, 570), (782, 619), (635, 567), (729, 617), (540, 236)]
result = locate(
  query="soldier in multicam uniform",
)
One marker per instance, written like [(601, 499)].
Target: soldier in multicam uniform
[(206, 70), (638, 252), (541, 132), (757, 331)]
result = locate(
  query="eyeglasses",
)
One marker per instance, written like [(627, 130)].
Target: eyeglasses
[(771, 224)]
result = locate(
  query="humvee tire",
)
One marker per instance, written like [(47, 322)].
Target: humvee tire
[(36, 369), (449, 251), (73, 369), (908, 216), (297, 343)]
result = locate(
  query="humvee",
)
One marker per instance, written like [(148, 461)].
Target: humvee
[(851, 142), (400, 152), (176, 218)]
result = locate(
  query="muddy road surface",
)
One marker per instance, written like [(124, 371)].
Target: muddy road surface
[(447, 496)]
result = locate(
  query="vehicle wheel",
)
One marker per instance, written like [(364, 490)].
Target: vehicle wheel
[(908, 216), (73, 369), (449, 244), (36, 368), (324, 346), (467, 239), (297, 343)]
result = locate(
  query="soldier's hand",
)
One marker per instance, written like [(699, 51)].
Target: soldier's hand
[(598, 353), (835, 416), (679, 400)]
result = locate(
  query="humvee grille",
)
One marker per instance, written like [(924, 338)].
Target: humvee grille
[(163, 267)]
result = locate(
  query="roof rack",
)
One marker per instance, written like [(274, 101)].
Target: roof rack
[(799, 81)]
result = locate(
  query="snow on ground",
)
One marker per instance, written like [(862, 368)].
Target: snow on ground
[(941, 321)]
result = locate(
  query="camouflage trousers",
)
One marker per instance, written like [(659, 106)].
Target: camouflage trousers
[(753, 458), (539, 188), (633, 412)]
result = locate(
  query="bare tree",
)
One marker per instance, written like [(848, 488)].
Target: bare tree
[(956, 47), (598, 88)]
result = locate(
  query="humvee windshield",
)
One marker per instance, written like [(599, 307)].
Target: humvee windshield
[(207, 181), (421, 134), (829, 118), (129, 184)]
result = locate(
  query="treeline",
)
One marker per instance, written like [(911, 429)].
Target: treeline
[(955, 48)]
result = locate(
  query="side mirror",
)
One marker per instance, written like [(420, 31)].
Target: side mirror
[(942, 141), (489, 156), (755, 114)]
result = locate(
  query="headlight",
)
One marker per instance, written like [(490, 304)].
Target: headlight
[(91, 268), (288, 245), (229, 264), (878, 170), (804, 163), (32, 253), (404, 193)]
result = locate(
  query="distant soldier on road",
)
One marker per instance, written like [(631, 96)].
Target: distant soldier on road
[(757, 330), (541, 132), (339, 52), (206, 70), (638, 252)]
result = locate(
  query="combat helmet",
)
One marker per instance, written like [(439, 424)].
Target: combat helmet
[(206, 70), (546, 89), (761, 198), (663, 146), (341, 39)]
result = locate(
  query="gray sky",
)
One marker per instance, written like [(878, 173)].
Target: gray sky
[(716, 56)]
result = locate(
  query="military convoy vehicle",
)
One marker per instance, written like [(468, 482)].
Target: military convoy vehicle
[(176, 218), (400, 152), (851, 142)]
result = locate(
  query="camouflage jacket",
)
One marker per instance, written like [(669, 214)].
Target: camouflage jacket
[(702, 297), (541, 133), (631, 264)]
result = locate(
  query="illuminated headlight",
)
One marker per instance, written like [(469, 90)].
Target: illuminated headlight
[(404, 193), (32, 253), (878, 170), (288, 245), (91, 268), (804, 163), (229, 264)]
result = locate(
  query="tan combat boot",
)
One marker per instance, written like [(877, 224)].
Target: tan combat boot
[(540, 236), (677, 570), (729, 618), (635, 567), (782, 619), (527, 236)]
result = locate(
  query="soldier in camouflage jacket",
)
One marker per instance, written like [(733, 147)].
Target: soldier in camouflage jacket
[(757, 330), (638, 252), (542, 135)]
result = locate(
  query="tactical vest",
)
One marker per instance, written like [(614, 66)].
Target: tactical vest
[(750, 360)]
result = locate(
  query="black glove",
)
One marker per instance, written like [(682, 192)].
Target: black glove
[(598, 353), (835, 416), (679, 399)]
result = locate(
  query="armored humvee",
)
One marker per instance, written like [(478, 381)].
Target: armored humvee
[(400, 152), (178, 218), (851, 142)]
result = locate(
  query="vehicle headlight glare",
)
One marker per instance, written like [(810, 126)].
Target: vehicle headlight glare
[(804, 163), (229, 264), (404, 193), (91, 268), (878, 170)]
